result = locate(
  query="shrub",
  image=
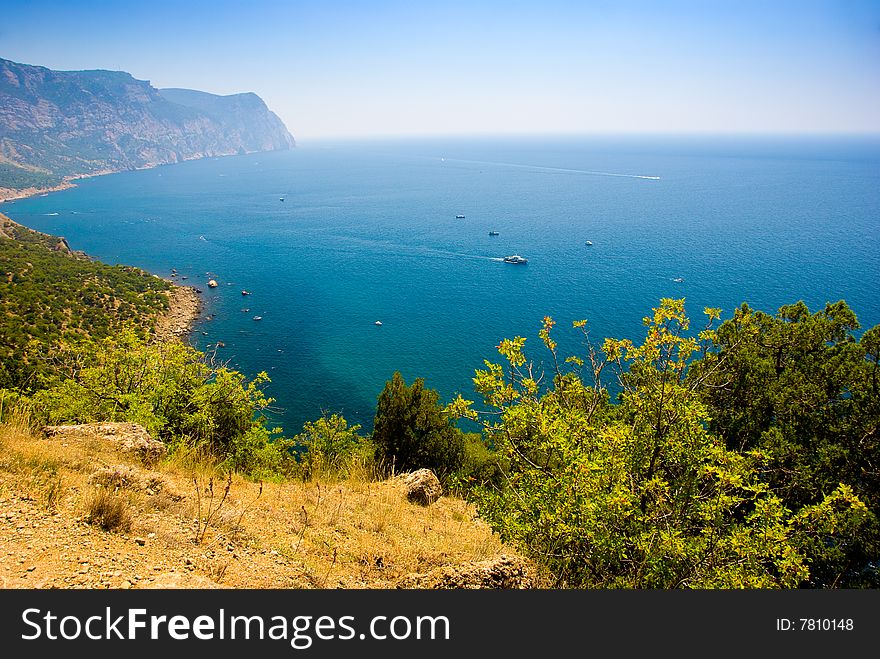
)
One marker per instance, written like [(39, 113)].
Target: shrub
[(108, 510), (411, 431), (328, 446)]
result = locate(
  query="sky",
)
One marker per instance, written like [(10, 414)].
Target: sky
[(404, 68)]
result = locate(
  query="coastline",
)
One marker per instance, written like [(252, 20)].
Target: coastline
[(11, 194), (184, 309)]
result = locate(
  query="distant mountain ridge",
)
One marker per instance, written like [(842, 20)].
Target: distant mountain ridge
[(60, 125)]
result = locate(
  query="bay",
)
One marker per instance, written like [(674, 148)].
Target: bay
[(367, 231)]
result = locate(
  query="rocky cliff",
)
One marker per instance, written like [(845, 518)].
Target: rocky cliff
[(58, 125)]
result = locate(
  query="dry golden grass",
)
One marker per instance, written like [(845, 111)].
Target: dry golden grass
[(190, 521)]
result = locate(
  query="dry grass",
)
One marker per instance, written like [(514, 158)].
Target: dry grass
[(108, 510), (356, 533)]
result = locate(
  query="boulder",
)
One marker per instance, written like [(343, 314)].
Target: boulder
[(504, 572), (128, 437), (422, 487)]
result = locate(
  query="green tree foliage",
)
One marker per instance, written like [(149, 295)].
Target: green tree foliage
[(799, 388), (328, 445), (412, 431), (176, 392), (49, 295), (639, 493)]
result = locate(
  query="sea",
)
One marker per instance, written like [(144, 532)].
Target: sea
[(333, 236)]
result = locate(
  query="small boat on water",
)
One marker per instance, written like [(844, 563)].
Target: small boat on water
[(258, 318), (245, 292), (245, 310), (378, 323), (459, 217), (589, 243), (678, 280), (493, 233), (516, 259)]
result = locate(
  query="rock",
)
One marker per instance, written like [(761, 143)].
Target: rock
[(422, 487), (116, 477), (129, 437), (504, 572), (187, 580), (140, 541)]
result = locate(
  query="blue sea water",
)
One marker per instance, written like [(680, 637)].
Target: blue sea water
[(368, 231)]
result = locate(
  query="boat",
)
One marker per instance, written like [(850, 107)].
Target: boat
[(515, 258), (258, 318), (589, 243), (378, 322), (281, 199), (245, 292), (493, 233), (245, 310), (459, 217), (678, 280)]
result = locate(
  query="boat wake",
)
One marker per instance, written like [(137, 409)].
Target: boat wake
[(50, 214), (558, 170)]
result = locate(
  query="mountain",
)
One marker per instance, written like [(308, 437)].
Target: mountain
[(59, 125)]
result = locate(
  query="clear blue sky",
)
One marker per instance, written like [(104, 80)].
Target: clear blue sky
[(334, 68)]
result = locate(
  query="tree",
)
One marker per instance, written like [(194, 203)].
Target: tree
[(411, 430), (799, 388), (639, 493)]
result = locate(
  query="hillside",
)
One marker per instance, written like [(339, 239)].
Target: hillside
[(60, 125), (51, 294), (169, 525)]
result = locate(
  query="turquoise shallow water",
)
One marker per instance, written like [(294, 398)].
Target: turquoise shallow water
[(368, 231)]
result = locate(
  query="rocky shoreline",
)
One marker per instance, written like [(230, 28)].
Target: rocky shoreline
[(184, 309), (9, 194)]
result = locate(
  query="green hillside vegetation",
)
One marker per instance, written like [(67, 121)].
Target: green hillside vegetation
[(50, 296), (740, 455), (20, 178)]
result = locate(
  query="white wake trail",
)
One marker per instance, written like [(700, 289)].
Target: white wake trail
[(561, 170)]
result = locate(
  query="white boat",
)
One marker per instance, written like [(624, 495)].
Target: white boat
[(589, 243), (493, 233), (378, 322), (459, 217), (515, 258), (258, 318), (678, 280)]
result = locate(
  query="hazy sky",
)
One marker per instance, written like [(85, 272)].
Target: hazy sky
[(333, 68)]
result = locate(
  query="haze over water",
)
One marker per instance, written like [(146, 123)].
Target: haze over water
[(368, 231)]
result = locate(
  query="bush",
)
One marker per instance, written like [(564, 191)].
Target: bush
[(411, 431), (108, 510), (177, 393), (481, 466), (327, 446), (643, 494)]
